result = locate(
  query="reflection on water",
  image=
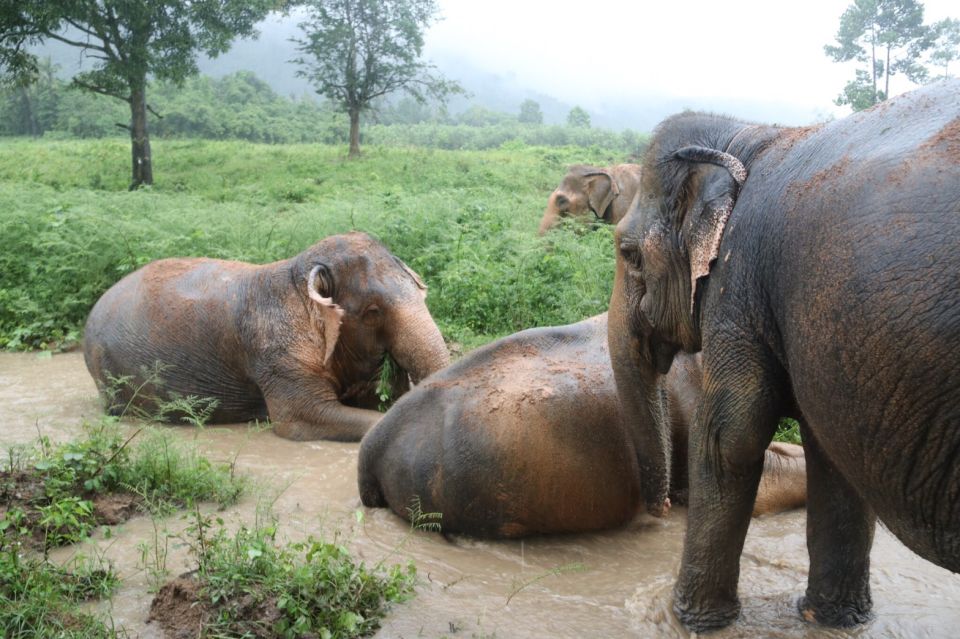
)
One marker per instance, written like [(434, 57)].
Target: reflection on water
[(622, 589)]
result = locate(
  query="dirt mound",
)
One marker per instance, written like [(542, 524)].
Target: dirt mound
[(182, 613), (111, 509), (178, 609)]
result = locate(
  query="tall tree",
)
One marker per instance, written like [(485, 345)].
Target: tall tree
[(530, 112), (945, 45), (129, 42), (355, 51), (885, 35), (578, 117)]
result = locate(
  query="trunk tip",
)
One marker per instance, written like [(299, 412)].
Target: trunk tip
[(659, 509)]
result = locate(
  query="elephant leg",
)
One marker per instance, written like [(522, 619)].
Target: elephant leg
[(734, 423), (839, 537), (305, 409), (332, 421)]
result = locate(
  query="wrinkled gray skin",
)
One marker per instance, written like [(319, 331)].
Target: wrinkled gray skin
[(300, 341), (525, 436), (589, 193), (829, 294)]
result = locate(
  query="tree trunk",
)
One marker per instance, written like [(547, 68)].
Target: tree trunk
[(873, 62), (32, 128), (886, 87), (354, 133), (139, 138)]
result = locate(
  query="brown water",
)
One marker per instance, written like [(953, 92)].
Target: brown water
[(468, 587)]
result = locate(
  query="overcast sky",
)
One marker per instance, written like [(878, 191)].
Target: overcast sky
[(704, 54)]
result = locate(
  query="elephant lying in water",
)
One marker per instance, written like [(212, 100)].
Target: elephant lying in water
[(525, 436), (301, 340), (592, 193)]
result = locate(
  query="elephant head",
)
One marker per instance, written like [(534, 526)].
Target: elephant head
[(665, 246), (364, 304), (585, 193)]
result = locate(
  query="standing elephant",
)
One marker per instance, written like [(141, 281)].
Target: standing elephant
[(817, 271), (525, 436), (301, 340), (605, 193)]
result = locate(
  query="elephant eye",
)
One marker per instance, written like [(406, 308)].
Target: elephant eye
[(372, 315), (630, 253), (561, 201)]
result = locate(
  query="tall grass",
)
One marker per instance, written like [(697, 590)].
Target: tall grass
[(465, 220)]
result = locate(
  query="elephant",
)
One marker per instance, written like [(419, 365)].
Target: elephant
[(300, 341), (815, 270), (606, 192), (525, 436)]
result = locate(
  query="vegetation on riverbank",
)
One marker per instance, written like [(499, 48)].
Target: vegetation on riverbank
[(465, 220)]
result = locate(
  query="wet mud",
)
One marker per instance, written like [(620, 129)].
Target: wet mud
[(611, 584)]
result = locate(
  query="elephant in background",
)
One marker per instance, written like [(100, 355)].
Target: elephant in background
[(525, 436), (816, 270), (300, 341), (590, 192)]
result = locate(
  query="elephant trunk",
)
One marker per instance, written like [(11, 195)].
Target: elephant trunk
[(417, 344), (638, 387), (551, 217)]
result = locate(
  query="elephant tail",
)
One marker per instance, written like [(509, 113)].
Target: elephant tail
[(371, 494)]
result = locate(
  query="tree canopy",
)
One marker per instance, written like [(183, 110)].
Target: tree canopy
[(888, 37), (578, 117), (355, 51), (126, 42), (530, 112)]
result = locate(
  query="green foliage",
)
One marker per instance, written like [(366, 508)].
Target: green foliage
[(788, 430), (466, 221), (164, 472), (356, 51), (317, 586), (39, 599), (887, 37), (530, 112), (578, 118), (945, 45), (126, 42)]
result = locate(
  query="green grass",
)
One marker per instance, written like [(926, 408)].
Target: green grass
[(47, 492), (315, 587), (39, 599), (465, 220)]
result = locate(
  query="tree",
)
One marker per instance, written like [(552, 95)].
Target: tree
[(578, 118), (945, 44), (530, 112), (356, 51), (886, 35), (130, 41)]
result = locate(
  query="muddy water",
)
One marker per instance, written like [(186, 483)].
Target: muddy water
[(610, 584)]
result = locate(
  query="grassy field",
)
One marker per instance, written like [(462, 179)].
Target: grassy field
[(465, 220)]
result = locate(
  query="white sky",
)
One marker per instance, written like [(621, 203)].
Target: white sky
[(590, 51)]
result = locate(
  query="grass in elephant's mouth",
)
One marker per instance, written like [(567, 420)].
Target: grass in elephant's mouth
[(788, 430), (386, 379)]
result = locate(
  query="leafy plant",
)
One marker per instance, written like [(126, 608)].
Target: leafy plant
[(317, 587)]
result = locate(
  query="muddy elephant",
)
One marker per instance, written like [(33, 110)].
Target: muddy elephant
[(525, 436), (816, 270), (592, 193), (300, 341)]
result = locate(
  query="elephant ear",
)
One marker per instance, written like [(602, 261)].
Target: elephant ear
[(325, 316), (413, 275), (711, 195), (601, 189)]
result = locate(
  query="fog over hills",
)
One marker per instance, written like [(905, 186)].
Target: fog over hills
[(628, 66)]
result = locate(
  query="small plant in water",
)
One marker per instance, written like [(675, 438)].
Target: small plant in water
[(315, 587)]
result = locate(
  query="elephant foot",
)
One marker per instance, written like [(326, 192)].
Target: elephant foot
[(834, 614), (702, 618)]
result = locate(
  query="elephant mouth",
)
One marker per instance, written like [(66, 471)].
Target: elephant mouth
[(392, 381)]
